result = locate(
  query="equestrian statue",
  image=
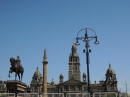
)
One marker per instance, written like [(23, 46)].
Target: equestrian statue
[(16, 67)]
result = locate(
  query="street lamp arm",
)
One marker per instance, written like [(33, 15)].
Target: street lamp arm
[(80, 31), (92, 37), (79, 38)]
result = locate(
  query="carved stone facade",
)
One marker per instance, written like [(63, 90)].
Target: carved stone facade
[(3, 88), (36, 83), (74, 83), (111, 81), (74, 65)]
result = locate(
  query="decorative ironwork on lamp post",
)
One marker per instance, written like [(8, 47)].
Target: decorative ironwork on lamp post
[(87, 38)]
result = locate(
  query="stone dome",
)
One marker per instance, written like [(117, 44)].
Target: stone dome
[(110, 70)]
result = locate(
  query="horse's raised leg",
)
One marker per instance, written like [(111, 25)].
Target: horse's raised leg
[(19, 76)]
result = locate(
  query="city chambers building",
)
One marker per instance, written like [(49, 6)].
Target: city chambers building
[(74, 84)]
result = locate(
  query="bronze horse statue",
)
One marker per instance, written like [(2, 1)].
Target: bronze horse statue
[(16, 67)]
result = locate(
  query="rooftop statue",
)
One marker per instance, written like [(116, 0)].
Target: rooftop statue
[(16, 67)]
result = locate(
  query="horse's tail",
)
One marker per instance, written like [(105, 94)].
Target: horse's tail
[(9, 74)]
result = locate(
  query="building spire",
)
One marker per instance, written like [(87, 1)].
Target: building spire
[(37, 68), (74, 50), (74, 65), (45, 57), (109, 65)]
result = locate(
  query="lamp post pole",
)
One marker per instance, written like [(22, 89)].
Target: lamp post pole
[(87, 62), (87, 38)]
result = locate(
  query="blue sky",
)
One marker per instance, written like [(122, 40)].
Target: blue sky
[(27, 27)]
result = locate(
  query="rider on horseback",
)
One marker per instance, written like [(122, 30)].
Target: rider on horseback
[(16, 67)]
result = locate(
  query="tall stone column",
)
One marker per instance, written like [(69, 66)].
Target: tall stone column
[(45, 62)]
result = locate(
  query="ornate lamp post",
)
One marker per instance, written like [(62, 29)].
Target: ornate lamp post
[(87, 38)]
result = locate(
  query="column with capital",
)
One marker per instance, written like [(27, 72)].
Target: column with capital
[(45, 62)]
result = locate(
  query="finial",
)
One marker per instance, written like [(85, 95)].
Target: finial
[(74, 50), (109, 65), (45, 57), (17, 57), (37, 67), (52, 82), (73, 45), (61, 75), (84, 74)]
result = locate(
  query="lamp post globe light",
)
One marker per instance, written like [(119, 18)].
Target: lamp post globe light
[(89, 35)]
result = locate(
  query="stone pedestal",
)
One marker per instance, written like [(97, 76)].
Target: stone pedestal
[(14, 86)]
